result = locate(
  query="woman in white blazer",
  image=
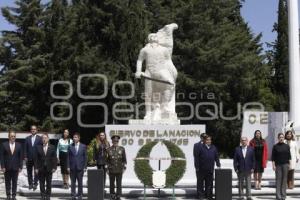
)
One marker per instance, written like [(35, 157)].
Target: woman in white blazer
[(290, 140)]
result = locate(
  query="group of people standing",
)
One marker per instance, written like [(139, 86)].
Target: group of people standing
[(249, 158), (42, 159)]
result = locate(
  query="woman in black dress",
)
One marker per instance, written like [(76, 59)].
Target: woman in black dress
[(100, 153), (261, 157), (62, 155)]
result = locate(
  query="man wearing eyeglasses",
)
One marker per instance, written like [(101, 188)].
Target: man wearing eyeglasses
[(31, 142), (244, 164), (11, 164)]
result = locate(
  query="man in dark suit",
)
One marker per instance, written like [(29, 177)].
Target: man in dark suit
[(196, 151), (208, 156), (11, 164), (244, 163), (29, 147), (77, 165), (45, 164)]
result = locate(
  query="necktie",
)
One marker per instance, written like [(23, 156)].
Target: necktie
[(33, 140), (45, 149), (12, 148), (244, 152)]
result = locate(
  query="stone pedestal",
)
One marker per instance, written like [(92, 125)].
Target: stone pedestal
[(154, 122), (134, 136)]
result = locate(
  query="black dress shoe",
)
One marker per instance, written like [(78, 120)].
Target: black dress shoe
[(34, 187), (30, 187)]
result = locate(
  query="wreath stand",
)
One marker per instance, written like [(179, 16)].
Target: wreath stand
[(158, 173), (160, 179)]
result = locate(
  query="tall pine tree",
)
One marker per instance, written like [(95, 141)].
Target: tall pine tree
[(22, 61)]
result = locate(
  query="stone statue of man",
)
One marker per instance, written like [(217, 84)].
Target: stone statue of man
[(159, 95)]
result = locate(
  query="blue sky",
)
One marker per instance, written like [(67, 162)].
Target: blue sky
[(260, 15)]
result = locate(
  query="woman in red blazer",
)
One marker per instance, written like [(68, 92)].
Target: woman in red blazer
[(261, 157)]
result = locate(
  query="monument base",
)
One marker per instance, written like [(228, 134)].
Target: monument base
[(134, 136), (154, 122)]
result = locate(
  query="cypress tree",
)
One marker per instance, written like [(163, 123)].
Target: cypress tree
[(280, 60)]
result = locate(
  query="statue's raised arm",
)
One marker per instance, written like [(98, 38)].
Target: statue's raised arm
[(160, 76), (165, 36)]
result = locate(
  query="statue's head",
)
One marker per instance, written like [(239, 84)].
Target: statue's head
[(152, 38)]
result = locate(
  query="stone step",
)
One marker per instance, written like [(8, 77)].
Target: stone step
[(268, 180), (132, 188), (264, 183), (138, 192)]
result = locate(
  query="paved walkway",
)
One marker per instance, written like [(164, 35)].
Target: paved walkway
[(2, 196), (179, 198)]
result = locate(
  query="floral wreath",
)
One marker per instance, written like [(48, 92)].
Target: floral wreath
[(175, 171)]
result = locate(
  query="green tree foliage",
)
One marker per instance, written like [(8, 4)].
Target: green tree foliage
[(214, 51), (280, 59), (22, 63), (100, 37)]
